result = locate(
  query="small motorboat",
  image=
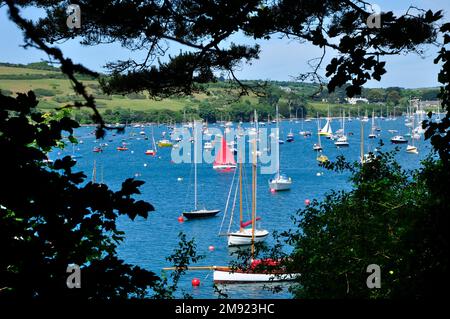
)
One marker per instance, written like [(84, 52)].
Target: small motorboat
[(322, 158), (342, 141), (398, 139), (202, 213), (412, 149)]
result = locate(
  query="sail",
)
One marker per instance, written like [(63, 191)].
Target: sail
[(245, 224), (329, 131), (224, 156), (327, 128)]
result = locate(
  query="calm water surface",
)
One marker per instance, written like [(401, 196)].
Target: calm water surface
[(148, 242)]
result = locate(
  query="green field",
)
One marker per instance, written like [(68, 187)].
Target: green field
[(62, 89), (54, 90)]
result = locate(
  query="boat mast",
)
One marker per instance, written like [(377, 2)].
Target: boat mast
[(153, 140), (256, 160), (303, 118), (318, 128), (253, 199), (362, 143), (194, 130), (94, 172), (277, 141), (241, 217)]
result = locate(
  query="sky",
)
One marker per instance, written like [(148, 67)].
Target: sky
[(280, 59)]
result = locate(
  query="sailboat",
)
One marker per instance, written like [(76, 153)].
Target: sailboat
[(365, 118), (229, 275), (224, 159), (372, 130), (318, 146), (198, 213), (412, 149), (248, 236), (280, 182), (153, 150), (363, 158), (74, 156), (326, 130), (342, 140), (164, 142), (303, 132), (290, 137)]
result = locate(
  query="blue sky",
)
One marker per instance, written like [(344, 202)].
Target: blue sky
[(280, 59)]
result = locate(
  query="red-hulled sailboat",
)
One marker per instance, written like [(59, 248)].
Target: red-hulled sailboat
[(224, 159)]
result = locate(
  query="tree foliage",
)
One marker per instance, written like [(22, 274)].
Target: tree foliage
[(393, 218), (51, 217)]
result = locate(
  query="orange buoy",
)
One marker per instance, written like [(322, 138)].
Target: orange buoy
[(195, 282), (180, 219), (307, 202)]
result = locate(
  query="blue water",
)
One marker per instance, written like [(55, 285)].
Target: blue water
[(148, 242)]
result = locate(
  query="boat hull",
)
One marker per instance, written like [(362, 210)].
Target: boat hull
[(226, 276), (245, 237), (201, 213), (224, 166), (412, 150), (280, 185)]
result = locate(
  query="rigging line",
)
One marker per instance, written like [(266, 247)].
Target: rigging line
[(233, 207), (226, 206), (245, 189), (189, 187)]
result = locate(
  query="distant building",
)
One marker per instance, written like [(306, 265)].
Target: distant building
[(354, 100), (431, 103), (286, 89)]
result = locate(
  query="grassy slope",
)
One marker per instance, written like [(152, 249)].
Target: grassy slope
[(63, 88)]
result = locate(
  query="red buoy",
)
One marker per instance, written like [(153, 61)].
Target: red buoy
[(180, 219), (195, 282), (307, 202), (273, 190), (211, 248)]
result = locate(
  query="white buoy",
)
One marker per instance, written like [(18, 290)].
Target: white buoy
[(145, 165), (132, 152), (179, 179), (318, 174)]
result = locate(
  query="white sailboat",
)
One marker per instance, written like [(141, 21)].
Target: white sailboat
[(342, 141), (327, 130), (303, 132), (411, 148), (280, 182), (372, 129), (154, 149), (365, 118), (251, 274), (246, 236), (198, 213), (318, 146)]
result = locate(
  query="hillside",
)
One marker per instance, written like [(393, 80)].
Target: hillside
[(54, 90)]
